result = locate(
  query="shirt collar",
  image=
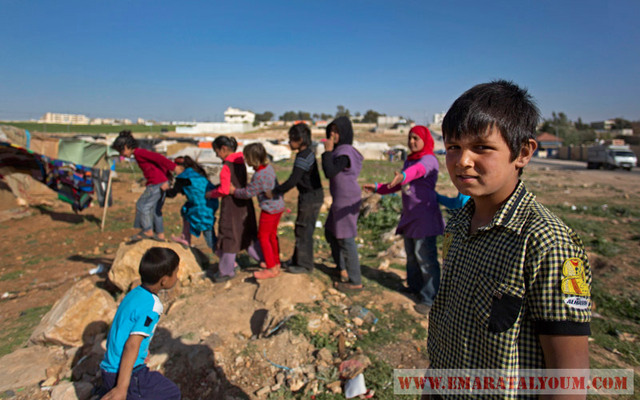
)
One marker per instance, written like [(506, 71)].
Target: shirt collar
[(511, 215)]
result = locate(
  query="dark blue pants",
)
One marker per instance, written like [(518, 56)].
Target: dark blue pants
[(308, 209), (145, 384)]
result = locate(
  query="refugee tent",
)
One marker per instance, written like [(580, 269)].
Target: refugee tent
[(75, 169)]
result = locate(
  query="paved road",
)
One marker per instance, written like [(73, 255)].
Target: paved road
[(552, 163)]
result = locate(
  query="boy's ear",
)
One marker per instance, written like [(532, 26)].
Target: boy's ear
[(526, 152)]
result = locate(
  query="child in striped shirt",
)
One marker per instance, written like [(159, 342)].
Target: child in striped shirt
[(263, 179)]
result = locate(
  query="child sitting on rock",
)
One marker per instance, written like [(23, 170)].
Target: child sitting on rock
[(124, 372)]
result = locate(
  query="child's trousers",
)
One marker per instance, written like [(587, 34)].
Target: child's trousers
[(345, 255), (145, 385), (423, 268), (227, 263), (268, 237), (149, 209), (308, 209)]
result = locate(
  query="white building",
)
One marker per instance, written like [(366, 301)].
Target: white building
[(386, 120), (56, 118), (235, 115), (438, 118), (220, 128)]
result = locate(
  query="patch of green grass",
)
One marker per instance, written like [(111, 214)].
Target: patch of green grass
[(625, 306), (9, 276), (384, 220), (391, 324), (17, 333), (298, 324), (39, 260), (608, 334)]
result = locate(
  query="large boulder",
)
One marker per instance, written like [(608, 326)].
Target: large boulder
[(83, 312), (289, 289), (124, 270), (28, 366), (72, 391)]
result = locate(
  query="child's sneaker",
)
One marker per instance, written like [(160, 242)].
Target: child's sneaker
[(267, 273)]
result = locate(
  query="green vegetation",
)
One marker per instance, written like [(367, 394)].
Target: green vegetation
[(88, 129), (9, 276), (17, 334)]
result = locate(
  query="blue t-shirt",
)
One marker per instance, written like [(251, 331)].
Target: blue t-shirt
[(138, 314)]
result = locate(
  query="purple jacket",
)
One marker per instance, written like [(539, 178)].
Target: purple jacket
[(342, 220), (421, 216)]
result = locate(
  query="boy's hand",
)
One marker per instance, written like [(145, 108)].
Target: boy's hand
[(369, 187), (232, 189), (116, 394), (268, 194), (396, 180), (164, 187), (207, 195)]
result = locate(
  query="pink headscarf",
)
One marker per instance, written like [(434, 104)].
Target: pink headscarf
[(426, 137)]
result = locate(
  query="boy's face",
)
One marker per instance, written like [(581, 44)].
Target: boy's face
[(295, 144), (170, 281), (481, 167)]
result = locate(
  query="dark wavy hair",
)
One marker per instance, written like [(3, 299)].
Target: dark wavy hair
[(228, 141), (189, 162), (302, 132), (156, 263), (499, 104), (125, 138)]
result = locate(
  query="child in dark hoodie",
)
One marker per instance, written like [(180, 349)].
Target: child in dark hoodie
[(341, 164)]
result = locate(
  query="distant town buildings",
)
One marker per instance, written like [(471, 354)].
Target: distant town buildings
[(235, 115), (387, 121), (74, 119), (235, 121), (607, 127), (438, 118)]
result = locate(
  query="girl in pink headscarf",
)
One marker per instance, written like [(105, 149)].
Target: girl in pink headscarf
[(421, 221)]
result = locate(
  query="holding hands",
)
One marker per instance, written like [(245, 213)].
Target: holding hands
[(396, 180)]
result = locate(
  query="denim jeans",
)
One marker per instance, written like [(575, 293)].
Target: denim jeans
[(423, 268), (210, 238), (149, 209), (345, 255), (308, 209)]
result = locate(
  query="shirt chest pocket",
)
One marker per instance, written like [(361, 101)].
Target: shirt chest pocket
[(498, 305)]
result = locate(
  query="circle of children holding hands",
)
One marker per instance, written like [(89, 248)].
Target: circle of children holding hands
[(514, 291)]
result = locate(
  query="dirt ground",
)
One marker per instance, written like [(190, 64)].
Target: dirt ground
[(43, 254)]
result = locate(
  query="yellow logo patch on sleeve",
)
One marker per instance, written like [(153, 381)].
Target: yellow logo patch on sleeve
[(574, 282)]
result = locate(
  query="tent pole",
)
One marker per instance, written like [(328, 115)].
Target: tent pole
[(106, 201)]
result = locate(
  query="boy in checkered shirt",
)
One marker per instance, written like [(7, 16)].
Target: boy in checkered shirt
[(515, 289)]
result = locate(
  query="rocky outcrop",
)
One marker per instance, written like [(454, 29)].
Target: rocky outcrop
[(28, 366), (124, 271), (83, 312)]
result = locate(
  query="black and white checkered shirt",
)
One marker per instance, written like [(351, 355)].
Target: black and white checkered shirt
[(524, 274)]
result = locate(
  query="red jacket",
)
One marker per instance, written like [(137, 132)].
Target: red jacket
[(155, 167)]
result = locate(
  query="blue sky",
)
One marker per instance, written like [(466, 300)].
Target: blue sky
[(190, 60)]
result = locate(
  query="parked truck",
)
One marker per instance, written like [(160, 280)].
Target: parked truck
[(611, 156)]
